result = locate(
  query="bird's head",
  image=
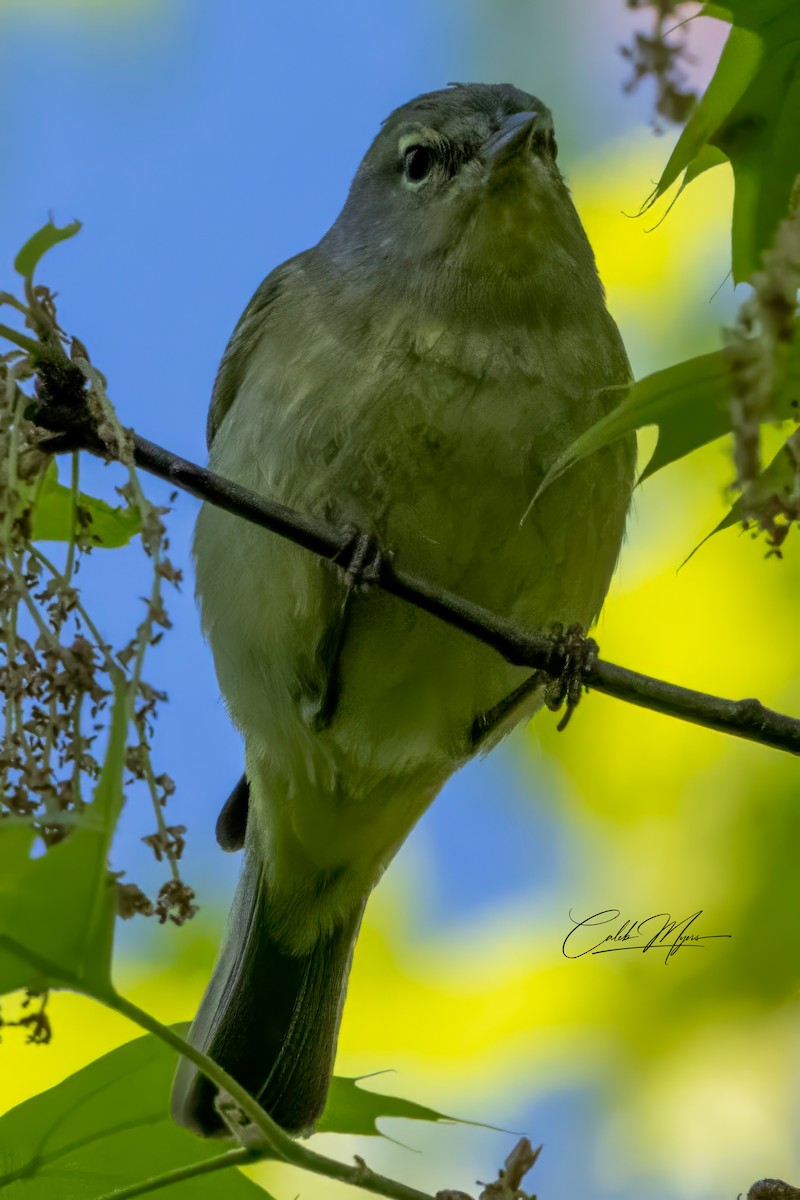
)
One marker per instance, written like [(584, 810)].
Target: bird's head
[(459, 207)]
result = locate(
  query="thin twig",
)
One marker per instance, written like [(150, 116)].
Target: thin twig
[(273, 1142), (747, 718), (73, 516), (232, 1158)]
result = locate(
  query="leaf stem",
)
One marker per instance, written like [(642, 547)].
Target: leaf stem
[(277, 1143), (73, 522), (30, 345), (113, 669), (274, 1141), (233, 1158)]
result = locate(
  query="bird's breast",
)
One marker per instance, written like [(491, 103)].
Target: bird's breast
[(436, 440)]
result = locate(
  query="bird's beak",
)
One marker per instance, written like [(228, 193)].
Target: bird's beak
[(525, 131)]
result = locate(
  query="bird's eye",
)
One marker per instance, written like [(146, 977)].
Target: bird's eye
[(417, 162)]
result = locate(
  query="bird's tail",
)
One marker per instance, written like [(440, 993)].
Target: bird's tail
[(269, 1018)]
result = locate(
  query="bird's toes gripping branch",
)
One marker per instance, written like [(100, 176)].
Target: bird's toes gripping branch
[(362, 559), (574, 655)]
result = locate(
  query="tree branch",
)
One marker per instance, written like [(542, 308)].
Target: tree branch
[(64, 411), (747, 718)]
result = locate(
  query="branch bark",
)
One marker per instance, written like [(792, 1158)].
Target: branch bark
[(63, 411), (746, 718)]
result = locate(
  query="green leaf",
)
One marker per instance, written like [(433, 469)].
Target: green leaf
[(738, 64), (760, 138), (706, 158), (60, 906), (351, 1109), (689, 404), (750, 112), (108, 1127), (751, 13), (38, 245), (778, 480), (52, 519)]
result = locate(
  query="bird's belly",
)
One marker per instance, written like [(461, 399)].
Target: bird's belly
[(444, 482), (455, 519)]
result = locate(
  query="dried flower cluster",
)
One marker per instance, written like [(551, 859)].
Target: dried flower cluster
[(35, 1023), (758, 349), (508, 1185), (57, 671), (653, 56)]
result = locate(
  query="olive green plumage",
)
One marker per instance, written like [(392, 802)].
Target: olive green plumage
[(413, 375)]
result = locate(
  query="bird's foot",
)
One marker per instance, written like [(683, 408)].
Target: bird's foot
[(575, 654), (362, 558), (361, 561)]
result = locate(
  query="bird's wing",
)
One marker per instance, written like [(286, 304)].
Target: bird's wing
[(249, 329), (321, 673)]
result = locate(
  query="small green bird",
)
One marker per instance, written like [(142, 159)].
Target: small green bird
[(411, 376)]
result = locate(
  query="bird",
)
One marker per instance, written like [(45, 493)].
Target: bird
[(410, 378)]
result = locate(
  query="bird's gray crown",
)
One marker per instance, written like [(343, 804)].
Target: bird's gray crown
[(478, 102), (458, 206)]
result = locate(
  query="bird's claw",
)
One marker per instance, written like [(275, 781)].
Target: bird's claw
[(576, 654), (362, 558)]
